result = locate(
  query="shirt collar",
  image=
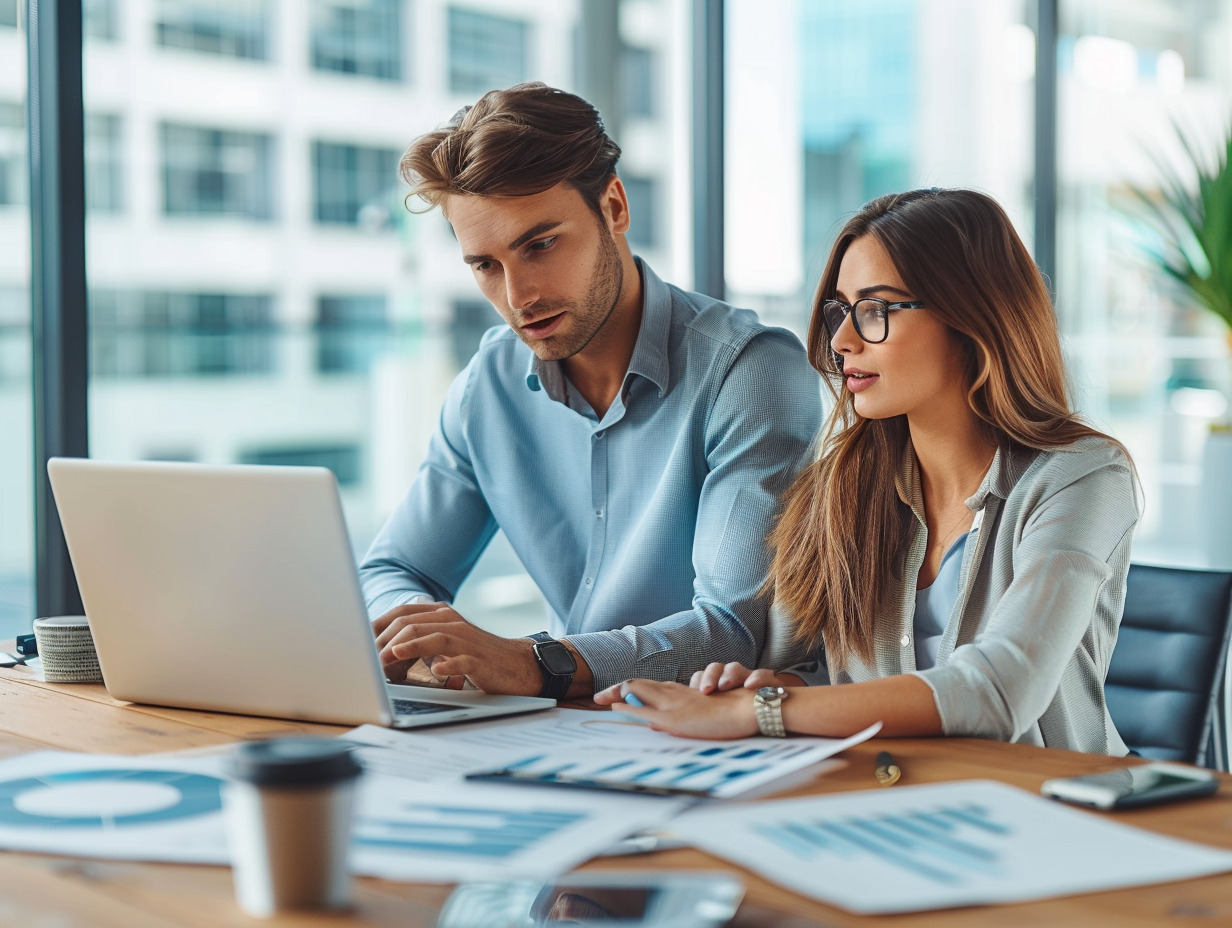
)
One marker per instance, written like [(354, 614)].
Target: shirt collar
[(650, 354)]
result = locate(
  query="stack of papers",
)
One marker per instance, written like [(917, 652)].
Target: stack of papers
[(573, 747)]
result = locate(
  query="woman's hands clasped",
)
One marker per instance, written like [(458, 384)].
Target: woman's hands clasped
[(717, 704), (721, 677)]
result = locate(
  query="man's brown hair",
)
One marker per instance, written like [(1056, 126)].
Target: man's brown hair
[(514, 143)]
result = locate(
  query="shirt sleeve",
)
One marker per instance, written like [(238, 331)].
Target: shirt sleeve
[(1064, 605), (757, 437), (408, 558)]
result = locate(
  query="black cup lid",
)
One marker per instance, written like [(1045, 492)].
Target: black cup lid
[(294, 762)]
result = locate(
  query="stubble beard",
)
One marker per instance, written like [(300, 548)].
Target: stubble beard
[(590, 319)]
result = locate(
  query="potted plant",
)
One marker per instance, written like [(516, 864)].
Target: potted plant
[(1190, 215)]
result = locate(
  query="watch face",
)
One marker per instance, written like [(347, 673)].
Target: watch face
[(556, 658), (771, 693)]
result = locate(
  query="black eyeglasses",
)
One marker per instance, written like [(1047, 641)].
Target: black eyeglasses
[(870, 316)]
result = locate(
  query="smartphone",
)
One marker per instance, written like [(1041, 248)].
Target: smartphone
[(616, 899), (1129, 787)]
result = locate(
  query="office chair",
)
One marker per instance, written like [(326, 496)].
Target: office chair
[(1168, 667)]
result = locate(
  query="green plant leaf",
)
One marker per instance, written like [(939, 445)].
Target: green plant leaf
[(1191, 220)]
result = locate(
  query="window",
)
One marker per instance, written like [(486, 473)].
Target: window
[(471, 318), (486, 51), (100, 19), (235, 28), (104, 171), (351, 331), (14, 337), (12, 155), (1150, 366), (643, 213), (343, 460), (640, 75), (161, 334), (214, 172), (361, 37), (8, 13), (354, 184)]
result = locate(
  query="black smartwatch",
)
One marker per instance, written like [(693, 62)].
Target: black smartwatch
[(556, 663)]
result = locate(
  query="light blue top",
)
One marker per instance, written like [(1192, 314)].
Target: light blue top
[(644, 529), (934, 603)]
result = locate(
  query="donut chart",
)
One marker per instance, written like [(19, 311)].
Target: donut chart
[(159, 795)]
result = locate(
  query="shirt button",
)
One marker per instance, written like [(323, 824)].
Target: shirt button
[(589, 581), (905, 640), (598, 513)]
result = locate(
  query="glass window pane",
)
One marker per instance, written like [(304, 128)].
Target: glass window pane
[(104, 167), (216, 172), (355, 185), (1152, 365), (16, 424), (362, 37), (236, 28), (100, 19), (486, 51), (867, 98)]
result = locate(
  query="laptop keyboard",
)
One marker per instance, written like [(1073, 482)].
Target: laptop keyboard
[(415, 707)]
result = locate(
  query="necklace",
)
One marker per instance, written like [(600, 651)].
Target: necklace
[(941, 541), (966, 514)]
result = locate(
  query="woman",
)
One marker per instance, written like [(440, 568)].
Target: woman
[(958, 553)]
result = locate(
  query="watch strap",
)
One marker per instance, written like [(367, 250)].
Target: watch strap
[(768, 708), (555, 685)]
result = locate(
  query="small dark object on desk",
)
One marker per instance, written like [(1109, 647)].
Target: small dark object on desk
[(887, 772), (27, 645)]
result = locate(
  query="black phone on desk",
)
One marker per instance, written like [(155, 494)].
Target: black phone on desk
[(615, 899), (1130, 787)]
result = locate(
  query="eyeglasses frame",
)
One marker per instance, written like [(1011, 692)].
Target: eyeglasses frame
[(849, 313)]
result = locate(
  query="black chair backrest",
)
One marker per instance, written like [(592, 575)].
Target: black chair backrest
[(1167, 668)]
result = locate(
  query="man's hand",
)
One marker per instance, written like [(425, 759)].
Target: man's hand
[(719, 677), (452, 647), (684, 711)]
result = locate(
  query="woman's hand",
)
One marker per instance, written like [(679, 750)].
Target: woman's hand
[(683, 711), (721, 677)]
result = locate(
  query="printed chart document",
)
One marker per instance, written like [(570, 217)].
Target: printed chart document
[(170, 809), (948, 844), (659, 764), (574, 747)]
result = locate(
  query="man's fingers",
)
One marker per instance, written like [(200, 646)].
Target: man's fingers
[(382, 622), (418, 644)]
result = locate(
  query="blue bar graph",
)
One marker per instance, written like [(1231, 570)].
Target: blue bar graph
[(948, 845), (462, 831)]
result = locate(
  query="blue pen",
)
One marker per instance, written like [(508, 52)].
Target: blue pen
[(632, 700)]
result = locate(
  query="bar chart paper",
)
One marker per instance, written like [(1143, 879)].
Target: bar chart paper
[(940, 845)]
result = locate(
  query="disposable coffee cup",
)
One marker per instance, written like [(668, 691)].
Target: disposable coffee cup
[(66, 649), (288, 807)]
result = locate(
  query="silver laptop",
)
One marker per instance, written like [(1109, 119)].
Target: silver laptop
[(234, 589)]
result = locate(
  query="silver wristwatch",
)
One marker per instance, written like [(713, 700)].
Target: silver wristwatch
[(768, 706)]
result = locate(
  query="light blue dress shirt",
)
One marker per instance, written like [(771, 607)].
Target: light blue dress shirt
[(644, 529)]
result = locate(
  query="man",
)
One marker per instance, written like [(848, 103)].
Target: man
[(629, 438)]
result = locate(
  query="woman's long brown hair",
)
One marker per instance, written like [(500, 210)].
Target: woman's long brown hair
[(839, 546)]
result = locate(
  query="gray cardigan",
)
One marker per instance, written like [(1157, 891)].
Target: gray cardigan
[(1040, 595)]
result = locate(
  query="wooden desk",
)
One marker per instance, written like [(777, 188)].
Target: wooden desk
[(46, 890)]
